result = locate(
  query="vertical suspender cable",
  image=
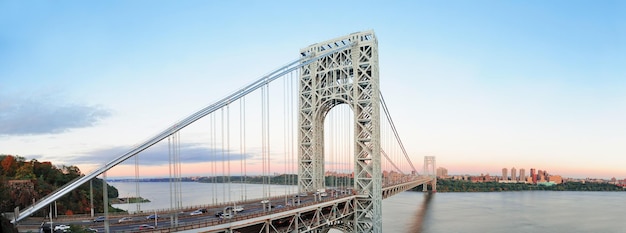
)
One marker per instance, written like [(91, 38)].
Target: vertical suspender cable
[(169, 151), (243, 150), (329, 139), (292, 160), (180, 172), (228, 151), (285, 135), (241, 147), (294, 135), (343, 152), (263, 129), (137, 184), (290, 127), (214, 159), (223, 159), (267, 118)]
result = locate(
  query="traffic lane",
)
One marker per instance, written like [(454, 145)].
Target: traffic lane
[(164, 221)]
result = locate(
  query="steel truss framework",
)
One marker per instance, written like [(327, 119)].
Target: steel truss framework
[(346, 77), (318, 217), (334, 213)]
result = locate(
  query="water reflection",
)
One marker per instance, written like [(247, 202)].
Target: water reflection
[(417, 225)]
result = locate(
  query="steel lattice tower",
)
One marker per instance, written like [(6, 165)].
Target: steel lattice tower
[(346, 77), (429, 170)]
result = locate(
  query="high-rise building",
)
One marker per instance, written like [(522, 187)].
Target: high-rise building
[(504, 174), (442, 172), (533, 175), (522, 174), (513, 174)]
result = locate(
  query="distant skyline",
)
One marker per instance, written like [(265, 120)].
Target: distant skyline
[(481, 85)]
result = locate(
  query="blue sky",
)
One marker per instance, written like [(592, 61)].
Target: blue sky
[(480, 84)]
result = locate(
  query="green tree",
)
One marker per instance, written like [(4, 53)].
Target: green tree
[(25, 172)]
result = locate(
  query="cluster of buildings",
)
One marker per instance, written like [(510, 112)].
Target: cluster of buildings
[(513, 175), (509, 176), (535, 177)]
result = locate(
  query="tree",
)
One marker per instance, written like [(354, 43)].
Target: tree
[(25, 172), (9, 165)]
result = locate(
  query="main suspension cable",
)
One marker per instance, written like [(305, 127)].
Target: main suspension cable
[(395, 132)]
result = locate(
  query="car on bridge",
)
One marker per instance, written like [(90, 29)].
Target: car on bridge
[(61, 228), (152, 216), (236, 208), (99, 219), (197, 212), (145, 227), (125, 219)]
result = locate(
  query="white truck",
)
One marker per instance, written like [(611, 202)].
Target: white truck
[(321, 192)]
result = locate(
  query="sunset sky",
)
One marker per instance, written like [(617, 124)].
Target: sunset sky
[(481, 85)]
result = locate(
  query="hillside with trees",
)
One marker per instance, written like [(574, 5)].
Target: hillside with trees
[(22, 182)]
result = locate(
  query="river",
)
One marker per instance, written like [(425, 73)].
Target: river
[(512, 212)]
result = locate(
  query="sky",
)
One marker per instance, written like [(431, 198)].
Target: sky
[(481, 85)]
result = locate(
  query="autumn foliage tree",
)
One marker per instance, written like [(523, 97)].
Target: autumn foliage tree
[(9, 165), (38, 179)]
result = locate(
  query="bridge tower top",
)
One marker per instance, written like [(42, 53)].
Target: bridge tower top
[(429, 166)]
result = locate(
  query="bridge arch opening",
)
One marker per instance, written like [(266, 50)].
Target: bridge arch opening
[(338, 152)]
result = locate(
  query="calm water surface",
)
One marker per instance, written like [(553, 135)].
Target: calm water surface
[(528, 211)]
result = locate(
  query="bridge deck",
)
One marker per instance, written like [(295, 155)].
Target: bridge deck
[(304, 213)]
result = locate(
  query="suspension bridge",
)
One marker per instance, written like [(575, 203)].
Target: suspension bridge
[(317, 121)]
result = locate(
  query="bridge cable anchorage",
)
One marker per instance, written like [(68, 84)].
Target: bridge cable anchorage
[(395, 132)]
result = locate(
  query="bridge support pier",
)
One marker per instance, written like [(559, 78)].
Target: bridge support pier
[(433, 185)]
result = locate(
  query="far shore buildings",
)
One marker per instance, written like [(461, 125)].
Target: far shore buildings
[(540, 177), (522, 174), (442, 172)]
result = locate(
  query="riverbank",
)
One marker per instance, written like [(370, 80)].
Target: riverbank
[(127, 200)]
